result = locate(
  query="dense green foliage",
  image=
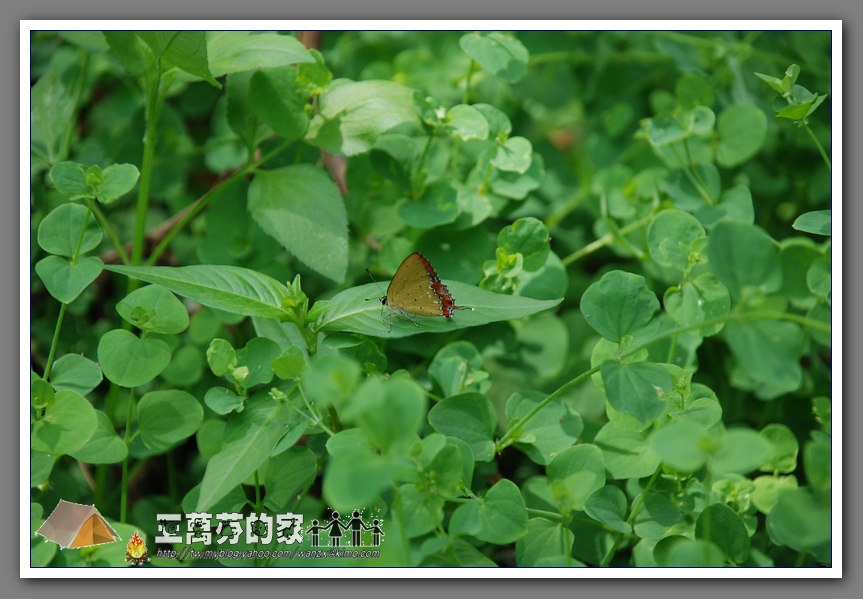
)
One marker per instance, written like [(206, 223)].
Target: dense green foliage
[(640, 221)]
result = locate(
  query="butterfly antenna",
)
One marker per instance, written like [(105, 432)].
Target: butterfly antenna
[(375, 280)]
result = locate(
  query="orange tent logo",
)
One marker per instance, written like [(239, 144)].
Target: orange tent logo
[(72, 525)]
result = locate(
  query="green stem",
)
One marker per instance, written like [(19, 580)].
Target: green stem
[(54, 342), (258, 506), (196, 208), (819, 146), (152, 116), (605, 240), (635, 509), (515, 429), (112, 235), (466, 98), (124, 483)]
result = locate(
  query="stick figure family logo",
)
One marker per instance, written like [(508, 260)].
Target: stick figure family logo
[(336, 529)]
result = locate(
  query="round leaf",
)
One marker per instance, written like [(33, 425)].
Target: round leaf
[(66, 426), (608, 505), (129, 361), (105, 446), (501, 54), (154, 309), (721, 525), (75, 373), (618, 304), (60, 230), (470, 417), (742, 129), (743, 255), (65, 281), (167, 417), (574, 474), (502, 514)]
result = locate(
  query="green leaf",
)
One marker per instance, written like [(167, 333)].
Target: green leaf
[(287, 474), (734, 205), (154, 309), (618, 304), (694, 554), (517, 186), (221, 357), (545, 544), (701, 299), (457, 368), (816, 222), (425, 510), (291, 364), (819, 277), (75, 373), (797, 256), (769, 488), (315, 76), (330, 379), (238, 51), (744, 255), (529, 237), (466, 122), (41, 393), (438, 206), (551, 430), (783, 449), (65, 281), (638, 389), (354, 114), (52, 113), (349, 311), (242, 120), (502, 514), (769, 351), (625, 454), (60, 231), (223, 401), (500, 53), (773, 82), (70, 179), (41, 465), (167, 417), (350, 482), (128, 49), (799, 521), (721, 525), (118, 180), (129, 361), (497, 120), (257, 356), (742, 129), (104, 447), (656, 516), (683, 190), (470, 417), (516, 155), (574, 474), (741, 451), (670, 236), (66, 426), (273, 96), (608, 505), (250, 437), (187, 50), (230, 288), (390, 411), (679, 444), (300, 207)]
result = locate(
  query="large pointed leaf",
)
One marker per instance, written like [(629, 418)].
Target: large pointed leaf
[(350, 311)]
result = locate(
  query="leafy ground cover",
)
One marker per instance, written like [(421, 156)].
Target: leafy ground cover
[(640, 220)]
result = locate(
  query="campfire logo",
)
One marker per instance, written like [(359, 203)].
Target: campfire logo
[(136, 550)]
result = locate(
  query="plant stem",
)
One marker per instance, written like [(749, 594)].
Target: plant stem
[(819, 146), (635, 508), (152, 116), (54, 342), (466, 98), (514, 429), (605, 240), (205, 200), (124, 483), (257, 494), (112, 235)]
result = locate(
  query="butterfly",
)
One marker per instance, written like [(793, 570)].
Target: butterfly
[(416, 289)]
